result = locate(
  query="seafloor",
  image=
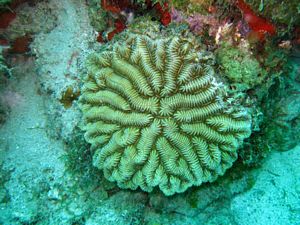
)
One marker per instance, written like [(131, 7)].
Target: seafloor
[(37, 184)]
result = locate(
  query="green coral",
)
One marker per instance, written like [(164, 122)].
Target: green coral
[(240, 66), (156, 116)]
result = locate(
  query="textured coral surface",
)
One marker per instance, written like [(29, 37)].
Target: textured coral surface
[(156, 116)]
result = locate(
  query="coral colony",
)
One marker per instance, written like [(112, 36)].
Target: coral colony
[(155, 116)]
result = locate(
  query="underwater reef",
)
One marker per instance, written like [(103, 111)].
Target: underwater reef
[(149, 112)]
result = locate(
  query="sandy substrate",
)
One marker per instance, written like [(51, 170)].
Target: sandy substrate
[(30, 156), (36, 189), (275, 197)]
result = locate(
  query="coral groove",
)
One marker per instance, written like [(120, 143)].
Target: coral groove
[(155, 116)]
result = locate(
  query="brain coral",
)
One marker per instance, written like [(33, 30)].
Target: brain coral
[(155, 116)]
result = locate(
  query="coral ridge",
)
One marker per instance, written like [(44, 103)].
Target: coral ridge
[(155, 116)]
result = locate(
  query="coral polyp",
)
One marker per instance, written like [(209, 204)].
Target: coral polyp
[(155, 115)]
